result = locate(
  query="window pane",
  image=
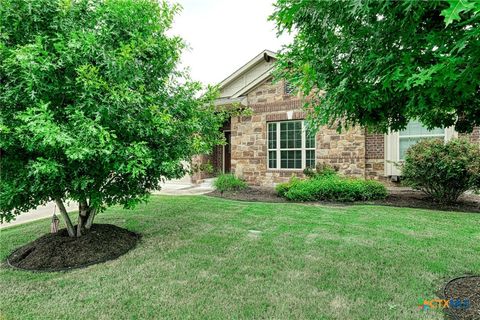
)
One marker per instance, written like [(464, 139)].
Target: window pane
[(272, 136), (291, 159), (415, 128), (283, 140), (288, 88), (298, 163), (310, 158), (291, 135), (298, 142), (406, 143), (272, 159)]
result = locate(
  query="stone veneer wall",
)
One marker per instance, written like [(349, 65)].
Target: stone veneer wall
[(354, 153), (249, 134), (345, 151), (199, 175), (249, 146), (268, 92)]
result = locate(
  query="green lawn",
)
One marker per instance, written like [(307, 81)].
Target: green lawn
[(198, 259)]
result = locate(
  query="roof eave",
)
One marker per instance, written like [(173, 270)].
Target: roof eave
[(247, 66)]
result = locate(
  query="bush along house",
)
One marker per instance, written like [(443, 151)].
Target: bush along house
[(273, 143)]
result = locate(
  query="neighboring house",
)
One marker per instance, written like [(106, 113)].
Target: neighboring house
[(273, 144)]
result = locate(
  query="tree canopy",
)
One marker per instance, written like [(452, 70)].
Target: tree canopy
[(382, 63), (93, 106)]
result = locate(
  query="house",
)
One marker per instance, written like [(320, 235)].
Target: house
[(273, 143)]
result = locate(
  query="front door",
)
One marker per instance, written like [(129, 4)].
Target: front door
[(227, 158)]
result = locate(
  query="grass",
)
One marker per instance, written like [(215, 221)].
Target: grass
[(202, 257)]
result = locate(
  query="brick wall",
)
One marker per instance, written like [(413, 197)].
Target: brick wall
[(375, 144), (374, 156), (474, 136)]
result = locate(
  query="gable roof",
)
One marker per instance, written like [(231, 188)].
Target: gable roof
[(248, 76), (261, 56)]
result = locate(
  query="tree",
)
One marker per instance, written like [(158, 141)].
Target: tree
[(93, 106), (381, 63)]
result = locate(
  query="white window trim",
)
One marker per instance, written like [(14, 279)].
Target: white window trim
[(392, 148), (278, 150), (433, 135)]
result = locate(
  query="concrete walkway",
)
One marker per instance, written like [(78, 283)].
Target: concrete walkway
[(174, 187), (184, 188), (39, 213)]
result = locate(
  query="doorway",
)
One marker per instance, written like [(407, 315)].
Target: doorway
[(227, 151)]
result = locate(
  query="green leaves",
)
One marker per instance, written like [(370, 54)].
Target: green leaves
[(38, 130), (381, 63), (456, 7), (93, 104), (443, 171), (423, 77)]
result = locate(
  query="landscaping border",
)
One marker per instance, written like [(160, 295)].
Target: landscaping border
[(447, 311), (402, 198), (67, 269)]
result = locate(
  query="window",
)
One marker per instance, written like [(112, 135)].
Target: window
[(288, 87), (290, 145), (415, 132)]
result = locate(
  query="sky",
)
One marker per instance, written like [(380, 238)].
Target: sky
[(224, 35)]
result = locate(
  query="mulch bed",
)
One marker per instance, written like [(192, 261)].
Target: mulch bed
[(58, 252), (464, 288), (398, 197)]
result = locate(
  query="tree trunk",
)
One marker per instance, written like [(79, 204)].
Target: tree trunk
[(90, 218), (66, 217), (86, 214), (82, 217)]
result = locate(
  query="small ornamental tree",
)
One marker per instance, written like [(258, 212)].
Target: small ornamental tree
[(379, 63), (93, 107)]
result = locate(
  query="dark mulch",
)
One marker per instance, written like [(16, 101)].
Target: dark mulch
[(464, 288), (398, 197), (262, 194), (56, 252)]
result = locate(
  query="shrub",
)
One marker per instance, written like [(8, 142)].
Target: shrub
[(334, 188), (321, 170), (229, 182), (444, 171), (283, 188)]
